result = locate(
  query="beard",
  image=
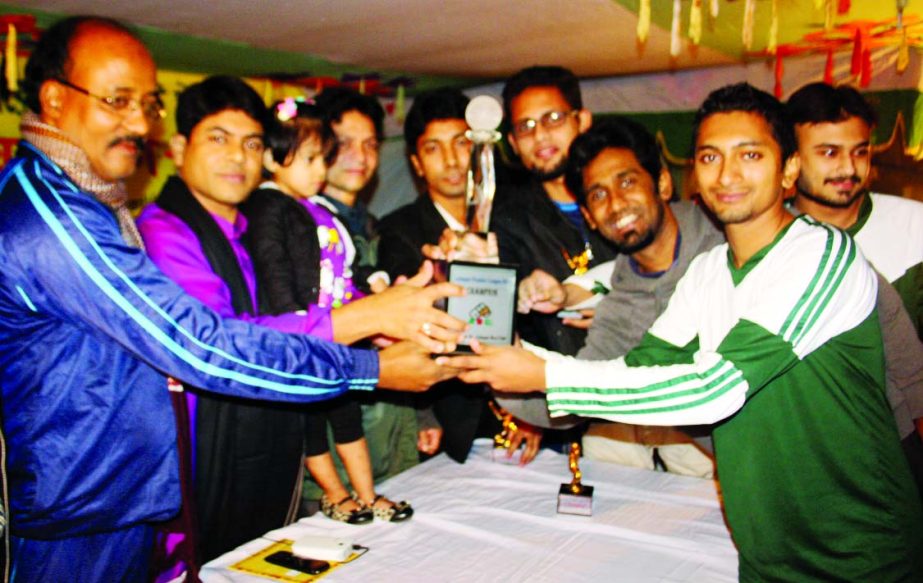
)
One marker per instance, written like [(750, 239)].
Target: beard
[(642, 238), (557, 171), (805, 189)]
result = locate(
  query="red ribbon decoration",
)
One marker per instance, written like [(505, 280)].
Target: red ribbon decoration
[(828, 68)]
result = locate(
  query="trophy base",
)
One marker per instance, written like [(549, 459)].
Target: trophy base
[(580, 503)]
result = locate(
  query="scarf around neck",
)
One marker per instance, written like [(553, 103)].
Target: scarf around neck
[(177, 199), (76, 165)]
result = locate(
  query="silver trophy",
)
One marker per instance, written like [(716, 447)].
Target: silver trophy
[(483, 115)]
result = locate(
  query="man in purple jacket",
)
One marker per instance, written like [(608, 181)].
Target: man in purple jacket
[(90, 328), (246, 455)]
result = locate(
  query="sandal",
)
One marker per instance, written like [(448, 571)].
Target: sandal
[(361, 515), (397, 512)]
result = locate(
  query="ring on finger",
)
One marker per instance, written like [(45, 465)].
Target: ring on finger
[(427, 328)]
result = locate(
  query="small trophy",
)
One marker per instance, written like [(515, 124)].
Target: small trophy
[(575, 498), (483, 115)]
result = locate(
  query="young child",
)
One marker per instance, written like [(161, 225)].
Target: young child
[(303, 255)]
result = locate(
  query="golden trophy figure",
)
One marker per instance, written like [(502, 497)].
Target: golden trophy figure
[(575, 498)]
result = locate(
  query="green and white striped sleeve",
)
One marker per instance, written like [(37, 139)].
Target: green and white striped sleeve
[(719, 342)]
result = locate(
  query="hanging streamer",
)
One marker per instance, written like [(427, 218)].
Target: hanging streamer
[(674, 29), (714, 8), (747, 30), (644, 21), (695, 22), (779, 70), (773, 43), (843, 6), (828, 68), (855, 64), (399, 103), (865, 73), (903, 53), (829, 13), (12, 66)]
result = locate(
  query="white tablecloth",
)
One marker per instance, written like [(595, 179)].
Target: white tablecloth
[(490, 521)]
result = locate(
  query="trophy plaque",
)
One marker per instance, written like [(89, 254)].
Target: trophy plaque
[(575, 498), (489, 303)]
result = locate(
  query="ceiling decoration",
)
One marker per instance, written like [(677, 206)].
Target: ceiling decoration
[(412, 45)]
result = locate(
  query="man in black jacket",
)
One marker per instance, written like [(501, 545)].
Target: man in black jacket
[(439, 153), (537, 220)]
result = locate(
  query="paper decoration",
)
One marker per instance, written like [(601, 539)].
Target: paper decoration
[(779, 71), (903, 54), (644, 21), (828, 68), (399, 103), (773, 42), (714, 8), (674, 29), (747, 30), (12, 66), (843, 6), (695, 22)]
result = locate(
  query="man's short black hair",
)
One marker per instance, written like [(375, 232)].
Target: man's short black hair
[(51, 57), (559, 78), (339, 100), (822, 103), (214, 95), (611, 132), (747, 98), (430, 106)]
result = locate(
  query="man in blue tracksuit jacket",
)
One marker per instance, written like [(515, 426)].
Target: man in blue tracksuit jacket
[(90, 328)]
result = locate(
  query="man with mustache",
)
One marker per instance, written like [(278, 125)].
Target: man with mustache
[(833, 126), (90, 327), (616, 173)]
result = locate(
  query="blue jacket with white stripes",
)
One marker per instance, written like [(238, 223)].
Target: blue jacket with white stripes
[(89, 329)]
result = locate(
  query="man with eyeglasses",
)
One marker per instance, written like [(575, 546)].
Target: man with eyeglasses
[(538, 222), (90, 328)]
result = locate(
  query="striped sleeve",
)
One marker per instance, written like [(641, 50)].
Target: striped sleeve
[(80, 270), (806, 292)]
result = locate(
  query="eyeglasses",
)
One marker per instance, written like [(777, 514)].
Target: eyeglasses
[(150, 105), (549, 120)]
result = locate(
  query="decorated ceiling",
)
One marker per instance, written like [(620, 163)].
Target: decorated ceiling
[(420, 43)]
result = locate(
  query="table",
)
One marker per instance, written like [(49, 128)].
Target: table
[(486, 520)]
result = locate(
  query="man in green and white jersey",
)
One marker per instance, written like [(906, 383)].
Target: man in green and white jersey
[(833, 127), (776, 335)]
